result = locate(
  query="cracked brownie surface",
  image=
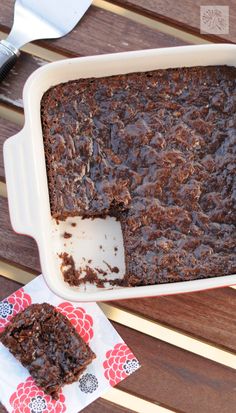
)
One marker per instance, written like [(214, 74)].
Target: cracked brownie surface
[(157, 151)]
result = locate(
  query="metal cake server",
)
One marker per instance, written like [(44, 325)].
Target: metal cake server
[(39, 19)]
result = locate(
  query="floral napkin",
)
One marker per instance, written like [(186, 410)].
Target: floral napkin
[(114, 362)]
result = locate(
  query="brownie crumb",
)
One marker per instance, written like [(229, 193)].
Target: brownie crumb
[(77, 276), (67, 235), (73, 224), (100, 271), (90, 277), (112, 269)]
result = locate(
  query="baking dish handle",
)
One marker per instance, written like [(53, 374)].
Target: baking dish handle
[(19, 182)]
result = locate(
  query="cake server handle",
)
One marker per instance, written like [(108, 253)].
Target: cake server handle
[(8, 57)]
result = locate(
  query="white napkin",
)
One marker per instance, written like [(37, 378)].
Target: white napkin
[(114, 362)]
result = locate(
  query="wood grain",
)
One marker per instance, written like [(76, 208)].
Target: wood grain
[(170, 375), (209, 315), (99, 31), (15, 248), (102, 406), (184, 15), (178, 379), (7, 287), (2, 409), (11, 88), (7, 129)]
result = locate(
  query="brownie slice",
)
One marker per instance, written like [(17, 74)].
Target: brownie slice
[(47, 344)]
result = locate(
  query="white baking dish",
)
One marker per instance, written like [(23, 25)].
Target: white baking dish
[(27, 180)]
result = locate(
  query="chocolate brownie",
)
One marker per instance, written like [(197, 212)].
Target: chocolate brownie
[(157, 151), (47, 344)]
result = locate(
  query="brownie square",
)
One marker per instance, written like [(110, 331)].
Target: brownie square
[(47, 344)]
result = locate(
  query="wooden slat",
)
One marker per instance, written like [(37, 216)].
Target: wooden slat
[(178, 379), (208, 315), (102, 406), (11, 88), (194, 384), (171, 336), (16, 248), (7, 287), (6, 129), (99, 31), (130, 401), (184, 14), (103, 32), (2, 409)]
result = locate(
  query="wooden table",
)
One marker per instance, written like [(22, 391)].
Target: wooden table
[(186, 343)]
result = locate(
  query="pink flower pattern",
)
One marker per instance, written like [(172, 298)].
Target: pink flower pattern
[(82, 321), (29, 398), (12, 305), (120, 363)]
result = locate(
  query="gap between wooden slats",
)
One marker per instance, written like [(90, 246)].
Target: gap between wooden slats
[(149, 22), (133, 402), (38, 51), (183, 14)]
